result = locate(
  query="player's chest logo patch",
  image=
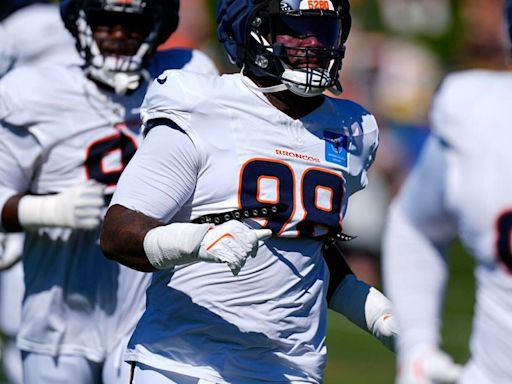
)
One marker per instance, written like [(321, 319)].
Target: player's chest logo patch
[(336, 146)]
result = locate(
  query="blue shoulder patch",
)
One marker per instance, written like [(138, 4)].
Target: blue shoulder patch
[(341, 123), (336, 148), (170, 59)]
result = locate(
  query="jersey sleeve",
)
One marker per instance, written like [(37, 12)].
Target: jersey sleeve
[(201, 63), (161, 177), (363, 149), (28, 94), (418, 230), (6, 52), (19, 152), (173, 96), (455, 107), (8, 103), (186, 59)]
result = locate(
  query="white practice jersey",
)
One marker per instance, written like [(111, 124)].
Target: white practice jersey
[(58, 129), (234, 150), (35, 34), (460, 187)]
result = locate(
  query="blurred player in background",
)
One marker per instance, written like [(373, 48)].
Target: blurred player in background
[(460, 188), (31, 32), (265, 145), (66, 133)]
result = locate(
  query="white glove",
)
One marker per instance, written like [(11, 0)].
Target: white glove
[(231, 243), (385, 329), (426, 365), (78, 207), (367, 308), (11, 249), (181, 243)]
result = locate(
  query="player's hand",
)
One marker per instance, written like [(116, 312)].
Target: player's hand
[(386, 330), (231, 243), (78, 207), (428, 366)]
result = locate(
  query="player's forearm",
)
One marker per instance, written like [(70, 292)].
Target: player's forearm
[(360, 303), (145, 244), (78, 207), (10, 220), (367, 308), (122, 237), (338, 267), (415, 273)]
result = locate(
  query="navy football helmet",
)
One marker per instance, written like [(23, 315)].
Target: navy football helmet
[(300, 43), (121, 66)]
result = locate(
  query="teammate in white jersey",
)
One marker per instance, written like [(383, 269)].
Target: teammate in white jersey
[(31, 32), (66, 133), (267, 148), (460, 188)]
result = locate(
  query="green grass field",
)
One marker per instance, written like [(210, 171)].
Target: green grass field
[(356, 358)]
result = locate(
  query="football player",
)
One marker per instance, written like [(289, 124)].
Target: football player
[(46, 40), (66, 133), (244, 300), (460, 188)]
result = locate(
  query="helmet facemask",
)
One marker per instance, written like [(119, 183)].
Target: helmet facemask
[(115, 41), (301, 48)]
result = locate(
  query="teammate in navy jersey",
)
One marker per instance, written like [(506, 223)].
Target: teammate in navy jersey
[(66, 133), (245, 300)]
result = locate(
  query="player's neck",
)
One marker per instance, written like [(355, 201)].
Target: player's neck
[(288, 102)]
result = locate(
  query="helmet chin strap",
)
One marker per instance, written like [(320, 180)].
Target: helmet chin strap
[(283, 87), (272, 89)]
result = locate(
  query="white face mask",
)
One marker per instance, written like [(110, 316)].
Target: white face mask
[(123, 74), (306, 82)]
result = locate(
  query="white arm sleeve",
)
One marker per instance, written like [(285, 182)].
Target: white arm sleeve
[(161, 177), (418, 230)]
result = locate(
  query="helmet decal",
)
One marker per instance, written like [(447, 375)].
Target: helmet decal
[(316, 4)]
